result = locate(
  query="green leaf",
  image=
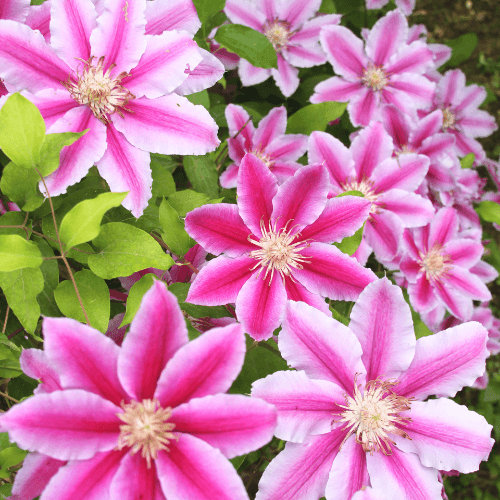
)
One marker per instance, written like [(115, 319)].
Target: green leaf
[(462, 48), (135, 296), (489, 211), (123, 250), (351, 193), (327, 7), (22, 131), (237, 461), (17, 253), (315, 117), (206, 8), (95, 297), (185, 201), (202, 174), (83, 222), (200, 98), (50, 271), (11, 456), (21, 288), (21, 186), (468, 161), (351, 243), (341, 319), (248, 44), (180, 290), (12, 219), (173, 232), (51, 149), (161, 170), (214, 21)]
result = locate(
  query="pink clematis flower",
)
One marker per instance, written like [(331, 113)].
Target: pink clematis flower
[(406, 6), (437, 263), (389, 183), (293, 31), (104, 73), (386, 71), (276, 243), (147, 419), (354, 411), (268, 142)]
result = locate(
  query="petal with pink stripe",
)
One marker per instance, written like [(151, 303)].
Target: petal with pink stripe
[(53, 104), (35, 364), (407, 172), (411, 208), (336, 89), (444, 227), (244, 12), (383, 232), (171, 15), (286, 77), (413, 58), (272, 126), (295, 291)]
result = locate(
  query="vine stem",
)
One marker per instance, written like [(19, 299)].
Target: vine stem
[(61, 249), (6, 319), (8, 397)]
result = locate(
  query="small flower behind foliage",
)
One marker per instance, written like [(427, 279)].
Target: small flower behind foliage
[(145, 420)]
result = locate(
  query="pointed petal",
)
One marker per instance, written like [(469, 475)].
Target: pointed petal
[(261, 304), (85, 358), (232, 423), (409, 91), (407, 172), (477, 123), (257, 187), (450, 87), (193, 469), (370, 147), (171, 15), (300, 471), (328, 150), (161, 68), (363, 107), (26, 61), (297, 12), (126, 168), (401, 476), (309, 33), (467, 284), (207, 365), (447, 436), (207, 73), (35, 364), (396, 124), (272, 126), (427, 126), (444, 227), (71, 22), (284, 169), (250, 75), (67, 425), (305, 407), (422, 295), (119, 34), (446, 362), (219, 228), (301, 199), (16, 10), (332, 273), (220, 281), (239, 123), (53, 104), (244, 12), (411, 208), (302, 56), (321, 346), (464, 252), (382, 322), (336, 89), (383, 232), (413, 58), (469, 97), (485, 271), (295, 291), (157, 331), (286, 77), (169, 125), (39, 19), (409, 268)]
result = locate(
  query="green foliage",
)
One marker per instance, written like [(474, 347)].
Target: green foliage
[(200, 98), (185, 201), (315, 117), (17, 253), (173, 232), (202, 174), (207, 8), (9, 358), (180, 290), (50, 272), (489, 211), (248, 44), (462, 48), (351, 243), (21, 186), (468, 161), (135, 296)]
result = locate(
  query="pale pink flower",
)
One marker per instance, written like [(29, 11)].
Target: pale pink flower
[(386, 181), (277, 246), (106, 46), (9, 206), (290, 26), (354, 411), (146, 419), (384, 70), (268, 142), (406, 6), (437, 263)]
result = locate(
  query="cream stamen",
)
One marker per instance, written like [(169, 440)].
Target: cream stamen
[(278, 33), (448, 118), (435, 263), (375, 77)]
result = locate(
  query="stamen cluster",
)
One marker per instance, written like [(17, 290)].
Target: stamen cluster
[(435, 263), (448, 118), (366, 188), (278, 33), (375, 77)]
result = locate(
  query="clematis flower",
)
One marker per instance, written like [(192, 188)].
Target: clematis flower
[(268, 142), (144, 420), (388, 183), (276, 243), (386, 71), (293, 31), (437, 264), (406, 6), (354, 411), (108, 76)]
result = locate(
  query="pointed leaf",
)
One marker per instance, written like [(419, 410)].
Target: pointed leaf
[(135, 296), (489, 211), (202, 174), (185, 201), (173, 232), (206, 8), (468, 161), (315, 117), (21, 186), (351, 243), (17, 253)]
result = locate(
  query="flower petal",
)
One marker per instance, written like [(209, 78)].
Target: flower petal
[(244, 12), (297, 12), (413, 58), (336, 89), (427, 127), (35, 364), (286, 77), (171, 15), (272, 126), (422, 295), (193, 469), (411, 208), (39, 19), (301, 56), (16, 10), (450, 87), (383, 232), (444, 227), (295, 291), (305, 407), (363, 107), (407, 172), (447, 436), (321, 346), (409, 91), (446, 362), (156, 333), (467, 284), (288, 147), (477, 123), (250, 75)]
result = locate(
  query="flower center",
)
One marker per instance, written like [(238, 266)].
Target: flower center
[(405, 149), (278, 34), (435, 263), (374, 415), (375, 77), (448, 118), (146, 428), (366, 188), (267, 159), (100, 91), (277, 251)]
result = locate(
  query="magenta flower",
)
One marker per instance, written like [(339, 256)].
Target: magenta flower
[(389, 183), (290, 26), (276, 243), (354, 410), (386, 71), (437, 264), (268, 142), (406, 6), (110, 77), (146, 418)]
